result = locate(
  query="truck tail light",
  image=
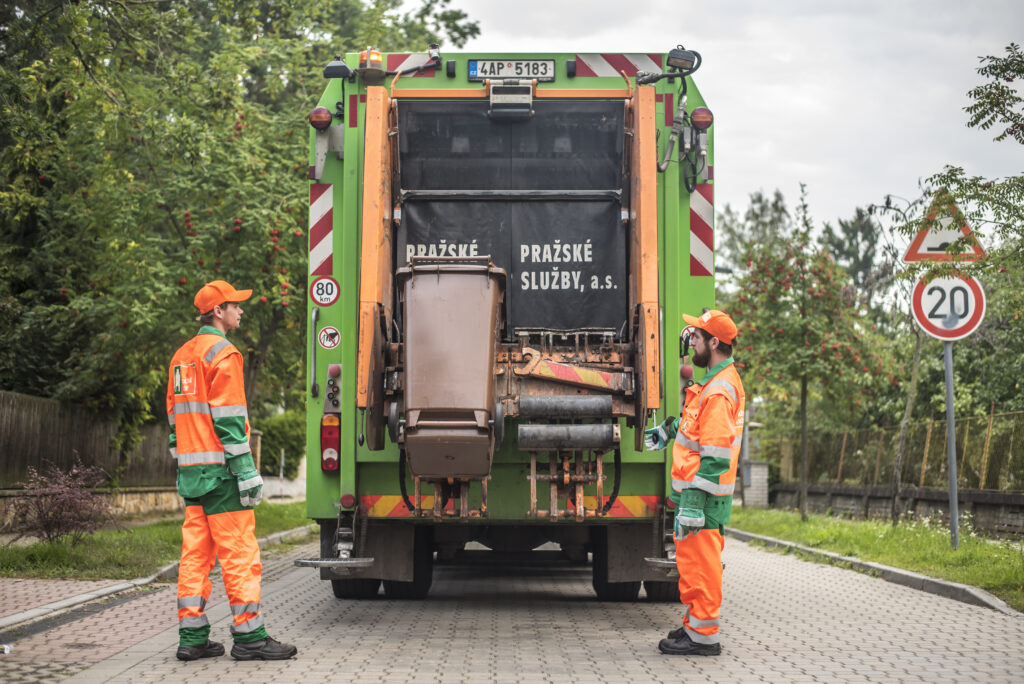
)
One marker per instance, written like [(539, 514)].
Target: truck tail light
[(320, 118), (702, 118), (330, 442)]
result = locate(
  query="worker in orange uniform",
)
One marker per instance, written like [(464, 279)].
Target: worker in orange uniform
[(704, 458), (216, 477)]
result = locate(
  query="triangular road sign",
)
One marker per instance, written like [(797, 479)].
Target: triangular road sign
[(931, 242)]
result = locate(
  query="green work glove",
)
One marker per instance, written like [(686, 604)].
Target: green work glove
[(657, 438), (689, 513), (250, 484), (675, 496)]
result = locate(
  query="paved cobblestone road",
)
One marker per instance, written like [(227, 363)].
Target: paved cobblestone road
[(784, 620)]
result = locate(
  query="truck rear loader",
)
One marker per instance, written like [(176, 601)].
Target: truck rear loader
[(500, 248)]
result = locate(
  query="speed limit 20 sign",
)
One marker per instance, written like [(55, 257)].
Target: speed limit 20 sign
[(948, 308), (324, 291)]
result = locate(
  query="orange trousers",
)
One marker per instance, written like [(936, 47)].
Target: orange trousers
[(231, 538), (699, 561)]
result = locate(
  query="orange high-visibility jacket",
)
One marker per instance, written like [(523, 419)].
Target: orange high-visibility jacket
[(207, 411), (707, 446)]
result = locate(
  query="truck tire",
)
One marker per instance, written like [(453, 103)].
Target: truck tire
[(422, 570), (357, 588), (354, 588), (662, 592), (620, 592)]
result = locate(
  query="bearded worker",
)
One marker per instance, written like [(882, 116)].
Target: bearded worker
[(705, 453)]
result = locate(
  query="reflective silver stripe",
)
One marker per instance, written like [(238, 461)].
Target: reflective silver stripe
[(716, 452), (229, 411), (174, 452), (682, 440), (690, 522), (719, 383), (713, 487), (214, 349), (250, 483), (737, 440), (694, 622), (191, 407), (201, 457), (248, 626), (186, 622), (699, 638), (680, 485), (170, 419), (245, 608), (237, 449), (191, 602)]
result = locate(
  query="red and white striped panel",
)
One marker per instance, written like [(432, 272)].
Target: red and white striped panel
[(321, 224), (403, 62), (594, 64), (702, 231)]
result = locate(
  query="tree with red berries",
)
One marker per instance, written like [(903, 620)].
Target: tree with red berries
[(802, 336)]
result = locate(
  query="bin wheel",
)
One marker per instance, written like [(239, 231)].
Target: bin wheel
[(662, 592), (357, 588), (499, 424)]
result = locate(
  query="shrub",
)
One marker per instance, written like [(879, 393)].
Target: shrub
[(58, 503), (284, 431)]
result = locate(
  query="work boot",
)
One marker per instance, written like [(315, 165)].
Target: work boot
[(264, 649), (684, 645), (210, 649)]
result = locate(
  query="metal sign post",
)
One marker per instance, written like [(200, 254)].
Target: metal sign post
[(949, 309), (954, 513)]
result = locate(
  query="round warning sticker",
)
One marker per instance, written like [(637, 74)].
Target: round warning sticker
[(324, 290), (329, 337)]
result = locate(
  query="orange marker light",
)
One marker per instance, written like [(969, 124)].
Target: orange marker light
[(320, 118)]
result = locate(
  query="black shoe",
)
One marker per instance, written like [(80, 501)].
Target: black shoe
[(210, 649), (265, 649), (684, 645), (678, 633)]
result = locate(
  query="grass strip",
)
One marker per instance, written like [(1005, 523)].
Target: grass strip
[(920, 546), (134, 552)]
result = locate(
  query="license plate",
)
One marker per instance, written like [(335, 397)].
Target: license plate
[(540, 69)]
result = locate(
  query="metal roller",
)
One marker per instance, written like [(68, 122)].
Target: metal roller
[(586, 406), (567, 437)]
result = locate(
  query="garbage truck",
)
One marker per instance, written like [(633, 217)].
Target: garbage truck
[(500, 250)]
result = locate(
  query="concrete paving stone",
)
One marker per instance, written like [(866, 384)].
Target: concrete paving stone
[(783, 620)]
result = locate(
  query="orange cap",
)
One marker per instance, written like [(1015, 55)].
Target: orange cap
[(217, 292), (714, 322)]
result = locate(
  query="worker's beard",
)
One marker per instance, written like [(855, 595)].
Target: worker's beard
[(702, 359)]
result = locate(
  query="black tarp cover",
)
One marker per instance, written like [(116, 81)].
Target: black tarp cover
[(564, 248)]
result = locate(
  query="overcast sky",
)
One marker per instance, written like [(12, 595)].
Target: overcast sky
[(855, 99)]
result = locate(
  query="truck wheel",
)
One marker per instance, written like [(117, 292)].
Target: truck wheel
[(605, 590), (422, 570), (358, 588), (662, 592)]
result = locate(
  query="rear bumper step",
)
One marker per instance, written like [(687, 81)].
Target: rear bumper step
[(341, 567)]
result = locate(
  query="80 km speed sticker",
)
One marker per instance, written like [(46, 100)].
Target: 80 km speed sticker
[(324, 291), (329, 337)]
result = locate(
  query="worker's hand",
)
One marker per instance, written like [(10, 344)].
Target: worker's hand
[(250, 488), (250, 484), (689, 513), (657, 438)]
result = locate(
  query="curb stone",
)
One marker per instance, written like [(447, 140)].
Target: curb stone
[(953, 590), (168, 572)]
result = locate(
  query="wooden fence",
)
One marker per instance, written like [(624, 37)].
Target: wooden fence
[(34, 430)]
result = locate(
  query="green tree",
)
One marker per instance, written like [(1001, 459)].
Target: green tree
[(765, 219), (146, 148), (802, 335)]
